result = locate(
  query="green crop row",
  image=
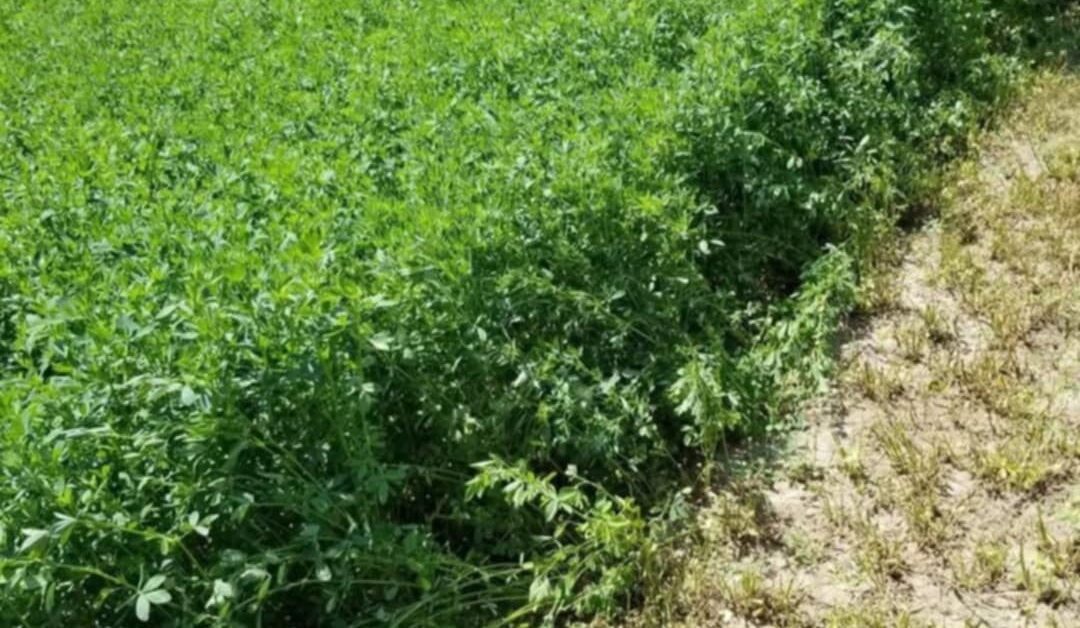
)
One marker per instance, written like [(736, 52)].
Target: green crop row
[(421, 312)]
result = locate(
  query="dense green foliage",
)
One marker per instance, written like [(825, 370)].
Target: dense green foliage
[(421, 312)]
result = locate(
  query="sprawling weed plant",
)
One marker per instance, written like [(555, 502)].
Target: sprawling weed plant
[(419, 313)]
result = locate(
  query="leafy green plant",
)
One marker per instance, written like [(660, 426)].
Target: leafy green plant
[(275, 277)]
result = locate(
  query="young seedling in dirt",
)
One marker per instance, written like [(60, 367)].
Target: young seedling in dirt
[(997, 380), (740, 519), (877, 383), (1016, 465), (878, 292), (920, 482), (1036, 577), (959, 270), (869, 616), (985, 567), (753, 599), (879, 556), (912, 339), (1006, 248), (1063, 555), (1010, 317), (803, 548), (851, 464), (805, 472), (940, 328), (905, 457), (945, 371)]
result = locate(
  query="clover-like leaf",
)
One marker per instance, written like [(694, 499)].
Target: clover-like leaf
[(142, 608), (33, 537)]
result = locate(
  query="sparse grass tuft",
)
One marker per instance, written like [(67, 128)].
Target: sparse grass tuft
[(913, 339), (1009, 314), (878, 291), (877, 383), (999, 381), (1036, 576), (1062, 554), (751, 598), (920, 474), (870, 616), (851, 464), (879, 556), (803, 548), (908, 459), (985, 567), (1016, 465), (940, 329), (959, 269), (805, 472), (739, 518)]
